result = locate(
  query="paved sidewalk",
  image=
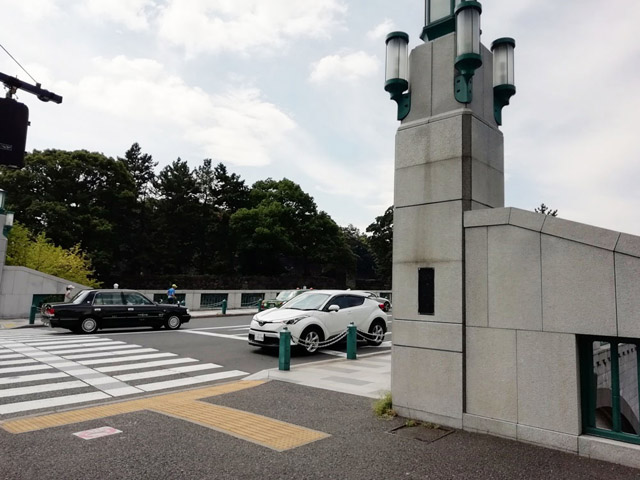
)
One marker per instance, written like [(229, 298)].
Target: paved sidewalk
[(368, 376)]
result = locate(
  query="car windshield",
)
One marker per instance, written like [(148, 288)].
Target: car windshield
[(308, 301), (80, 297), (286, 295)]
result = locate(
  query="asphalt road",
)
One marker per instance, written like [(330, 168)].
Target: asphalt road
[(45, 370)]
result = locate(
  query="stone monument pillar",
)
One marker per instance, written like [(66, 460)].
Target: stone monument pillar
[(449, 159)]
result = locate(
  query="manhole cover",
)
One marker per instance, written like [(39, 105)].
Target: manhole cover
[(424, 433)]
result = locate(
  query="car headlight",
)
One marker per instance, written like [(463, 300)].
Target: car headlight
[(188, 311), (293, 321)]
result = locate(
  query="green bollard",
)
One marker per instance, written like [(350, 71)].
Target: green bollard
[(32, 314), (284, 360), (352, 341), (224, 306)]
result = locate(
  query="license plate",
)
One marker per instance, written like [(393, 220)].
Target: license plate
[(259, 337)]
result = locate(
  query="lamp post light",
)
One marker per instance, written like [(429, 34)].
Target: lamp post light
[(439, 18), (504, 86), (468, 57), (8, 223), (397, 71), (3, 195)]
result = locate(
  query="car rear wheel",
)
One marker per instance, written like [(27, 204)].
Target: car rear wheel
[(89, 325), (310, 339), (173, 322), (376, 331)]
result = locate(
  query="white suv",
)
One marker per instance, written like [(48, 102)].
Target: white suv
[(317, 316)]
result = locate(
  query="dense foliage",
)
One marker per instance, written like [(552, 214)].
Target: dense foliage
[(134, 224), (40, 254)]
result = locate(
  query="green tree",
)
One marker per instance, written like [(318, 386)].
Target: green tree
[(40, 254), (141, 168), (177, 217), (75, 198), (543, 209), (283, 231), (381, 242), (359, 244)]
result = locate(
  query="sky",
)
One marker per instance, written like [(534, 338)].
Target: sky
[(294, 89)]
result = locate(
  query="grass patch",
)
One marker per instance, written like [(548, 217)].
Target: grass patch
[(383, 407)]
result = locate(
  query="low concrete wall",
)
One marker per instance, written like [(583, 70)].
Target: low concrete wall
[(534, 283), (18, 285)]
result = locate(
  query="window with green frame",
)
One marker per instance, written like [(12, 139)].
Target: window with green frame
[(610, 387)]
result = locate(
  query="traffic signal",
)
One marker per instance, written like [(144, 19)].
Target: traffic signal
[(14, 120)]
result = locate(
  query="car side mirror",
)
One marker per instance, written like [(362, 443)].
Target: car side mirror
[(333, 308)]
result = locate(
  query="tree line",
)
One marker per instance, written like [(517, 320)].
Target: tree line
[(140, 228)]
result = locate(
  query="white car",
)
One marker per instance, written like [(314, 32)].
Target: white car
[(318, 316)]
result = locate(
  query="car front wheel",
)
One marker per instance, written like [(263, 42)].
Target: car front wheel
[(173, 322), (89, 325), (376, 332), (310, 339)]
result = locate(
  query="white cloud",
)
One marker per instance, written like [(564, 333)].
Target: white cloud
[(235, 127), (343, 67), (246, 26), (380, 31), (130, 13)]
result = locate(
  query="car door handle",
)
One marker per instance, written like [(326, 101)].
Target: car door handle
[(130, 309)]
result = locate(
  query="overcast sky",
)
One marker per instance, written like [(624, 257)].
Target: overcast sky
[(284, 88)]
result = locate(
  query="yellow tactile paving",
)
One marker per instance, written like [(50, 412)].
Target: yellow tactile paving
[(247, 426), (258, 429)]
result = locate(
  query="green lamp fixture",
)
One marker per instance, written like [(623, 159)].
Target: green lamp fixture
[(397, 71), (503, 75), (439, 19), (468, 58)]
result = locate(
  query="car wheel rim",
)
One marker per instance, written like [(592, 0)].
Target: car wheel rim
[(378, 332), (89, 325), (311, 342), (174, 322)]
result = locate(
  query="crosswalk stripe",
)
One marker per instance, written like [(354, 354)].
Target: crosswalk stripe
[(32, 378), (108, 354), (104, 343), (165, 372), (45, 343), (132, 358), (17, 362), (25, 369), (107, 348), (211, 334), (52, 402), (51, 387), (151, 387), (12, 355), (118, 368)]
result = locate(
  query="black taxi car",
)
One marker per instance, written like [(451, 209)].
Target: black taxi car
[(91, 310)]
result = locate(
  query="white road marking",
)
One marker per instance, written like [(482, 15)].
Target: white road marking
[(108, 347), (52, 402), (17, 362), (166, 372), (109, 354), (32, 378), (150, 387), (12, 355), (25, 369), (119, 368), (133, 358), (211, 334), (49, 387), (96, 345)]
